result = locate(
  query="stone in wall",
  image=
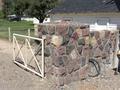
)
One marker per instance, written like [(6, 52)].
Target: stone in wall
[(61, 29), (81, 41), (51, 29), (59, 81), (67, 79), (75, 36), (107, 34), (82, 61), (83, 72), (48, 39), (97, 52), (79, 32), (74, 54), (58, 61), (99, 42), (57, 40), (93, 41), (61, 50), (59, 71), (85, 32), (69, 49), (85, 51), (61, 60), (80, 49), (70, 67), (66, 39), (75, 76), (87, 40)]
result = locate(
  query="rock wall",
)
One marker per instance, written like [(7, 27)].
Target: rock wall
[(70, 47)]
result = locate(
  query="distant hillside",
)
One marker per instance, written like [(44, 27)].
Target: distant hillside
[(78, 6)]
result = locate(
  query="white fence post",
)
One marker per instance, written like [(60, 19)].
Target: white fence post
[(29, 34), (9, 34), (43, 58), (36, 30)]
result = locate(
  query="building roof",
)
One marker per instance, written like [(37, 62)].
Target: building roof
[(85, 6)]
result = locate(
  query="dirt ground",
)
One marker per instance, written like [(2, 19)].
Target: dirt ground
[(13, 77)]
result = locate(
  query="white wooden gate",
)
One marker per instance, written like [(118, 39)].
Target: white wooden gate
[(24, 54)]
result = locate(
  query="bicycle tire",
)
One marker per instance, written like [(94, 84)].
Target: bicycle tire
[(96, 66)]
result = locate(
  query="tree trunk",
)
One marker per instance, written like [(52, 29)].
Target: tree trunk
[(41, 20)]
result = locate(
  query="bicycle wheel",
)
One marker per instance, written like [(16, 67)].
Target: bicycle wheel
[(94, 68)]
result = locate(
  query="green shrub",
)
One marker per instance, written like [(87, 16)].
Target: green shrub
[(1, 15)]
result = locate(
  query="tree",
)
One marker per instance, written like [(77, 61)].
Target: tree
[(33, 8), (39, 8), (20, 6), (7, 7)]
